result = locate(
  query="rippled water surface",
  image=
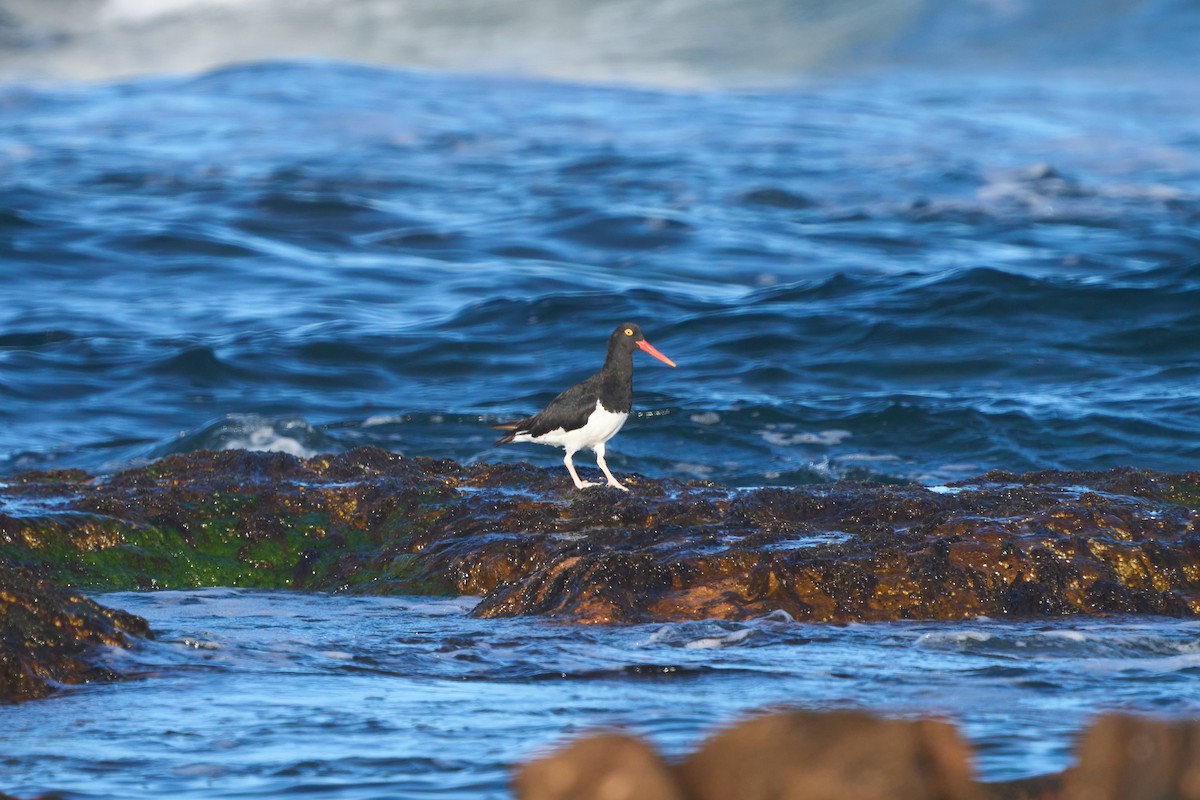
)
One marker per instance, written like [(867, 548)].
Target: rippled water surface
[(968, 241), (902, 278), (257, 694)]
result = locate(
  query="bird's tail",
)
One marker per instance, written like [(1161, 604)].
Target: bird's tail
[(511, 427)]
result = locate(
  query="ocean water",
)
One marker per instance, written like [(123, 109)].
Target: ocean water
[(904, 241), (266, 694), (887, 277)]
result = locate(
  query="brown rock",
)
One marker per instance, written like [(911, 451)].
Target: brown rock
[(1124, 757), (844, 755), (1048, 543), (607, 766), (49, 635), (1040, 787)]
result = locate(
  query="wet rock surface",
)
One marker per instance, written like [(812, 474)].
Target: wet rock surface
[(49, 635), (1047, 543)]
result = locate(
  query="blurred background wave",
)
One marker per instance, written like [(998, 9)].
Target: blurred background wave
[(681, 43)]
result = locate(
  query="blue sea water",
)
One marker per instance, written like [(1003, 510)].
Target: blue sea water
[(266, 694), (883, 277), (910, 242)]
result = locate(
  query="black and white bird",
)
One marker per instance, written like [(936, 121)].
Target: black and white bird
[(589, 413)]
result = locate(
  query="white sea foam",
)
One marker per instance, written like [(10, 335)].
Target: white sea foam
[(695, 470), (828, 438), (710, 642), (382, 419), (337, 655), (869, 457), (200, 644), (958, 638), (269, 440)]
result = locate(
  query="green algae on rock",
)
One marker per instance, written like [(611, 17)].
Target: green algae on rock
[(255, 520), (1048, 543)]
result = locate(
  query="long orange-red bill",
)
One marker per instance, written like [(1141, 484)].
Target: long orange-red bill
[(649, 348)]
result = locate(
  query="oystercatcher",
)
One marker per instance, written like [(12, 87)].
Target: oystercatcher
[(589, 413)]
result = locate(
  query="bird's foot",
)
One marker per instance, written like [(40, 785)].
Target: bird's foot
[(585, 484), (618, 485)]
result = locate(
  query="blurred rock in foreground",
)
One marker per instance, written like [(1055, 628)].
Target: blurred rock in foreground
[(850, 755)]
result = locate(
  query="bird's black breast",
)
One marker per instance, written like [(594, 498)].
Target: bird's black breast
[(615, 392)]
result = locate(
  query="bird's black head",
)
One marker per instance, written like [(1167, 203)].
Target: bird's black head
[(627, 336), (630, 333)]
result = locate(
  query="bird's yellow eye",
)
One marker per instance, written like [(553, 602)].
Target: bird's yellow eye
[(629, 331)]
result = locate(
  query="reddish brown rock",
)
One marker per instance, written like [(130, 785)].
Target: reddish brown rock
[(1125, 757), (848, 553), (842, 755), (608, 766)]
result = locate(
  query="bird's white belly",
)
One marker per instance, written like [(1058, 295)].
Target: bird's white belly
[(601, 426)]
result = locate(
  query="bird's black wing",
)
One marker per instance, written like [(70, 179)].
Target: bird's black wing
[(570, 410)]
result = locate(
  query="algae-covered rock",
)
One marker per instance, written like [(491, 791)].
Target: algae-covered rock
[(528, 542), (261, 520)]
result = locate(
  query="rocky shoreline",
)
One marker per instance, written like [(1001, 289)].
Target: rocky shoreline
[(528, 543), (1124, 541)]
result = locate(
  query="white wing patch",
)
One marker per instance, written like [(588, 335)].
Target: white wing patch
[(601, 426)]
